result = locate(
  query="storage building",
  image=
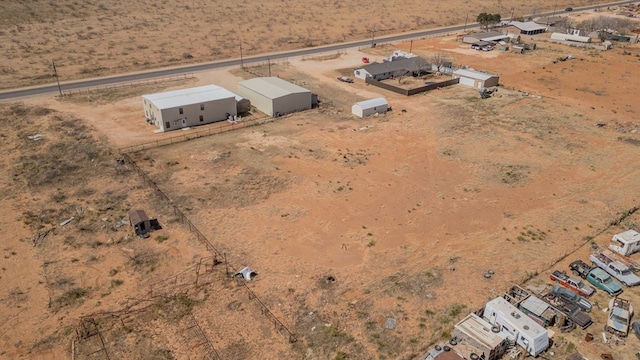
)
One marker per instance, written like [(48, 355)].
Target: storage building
[(183, 108), (140, 222), (516, 326), (475, 79), (493, 36), (525, 28), (474, 336), (369, 107), (274, 96), (569, 37)]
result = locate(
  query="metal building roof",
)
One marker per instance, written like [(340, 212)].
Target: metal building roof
[(190, 96), (535, 305), (473, 74), (371, 103), (528, 26), (137, 216), (272, 87)]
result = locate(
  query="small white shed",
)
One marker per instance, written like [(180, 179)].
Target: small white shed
[(369, 107), (475, 79)]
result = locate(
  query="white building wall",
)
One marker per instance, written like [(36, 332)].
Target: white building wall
[(258, 100), (214, 111), (292, 103)]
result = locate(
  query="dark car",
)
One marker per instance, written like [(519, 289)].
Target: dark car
[(573, 311), (476, 46), (567, 295), (568, 9)]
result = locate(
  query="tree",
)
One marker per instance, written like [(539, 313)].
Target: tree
[(486, 20), (439, 59)]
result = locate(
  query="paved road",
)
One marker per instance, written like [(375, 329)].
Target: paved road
[(25, 92)]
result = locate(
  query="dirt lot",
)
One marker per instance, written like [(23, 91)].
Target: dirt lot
[(347, 221), (100, 38)]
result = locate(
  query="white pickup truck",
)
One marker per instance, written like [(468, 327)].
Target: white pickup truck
[(615, 268)]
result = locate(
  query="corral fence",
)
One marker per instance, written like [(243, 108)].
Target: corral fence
[(279, 325), (263, 68), (324, 56), (122, 85), (190, 135), (413, 91)]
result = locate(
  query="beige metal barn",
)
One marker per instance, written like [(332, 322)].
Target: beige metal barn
[(183, 108), (475, 79), (274, 96)]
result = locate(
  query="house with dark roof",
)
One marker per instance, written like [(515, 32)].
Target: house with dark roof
[(414, 66)]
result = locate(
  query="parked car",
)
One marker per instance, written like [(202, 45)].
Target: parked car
[(580, 268), (615, 268), (567, 295), (568, 9), (345, 79), (635, 327), (365, 60), (575, 313), (572, 283), (475, 46), (486, 48), (603, 281), (620, 313)]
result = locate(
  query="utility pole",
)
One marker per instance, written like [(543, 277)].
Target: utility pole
[(465, 23), (55, 73), (373, 35), (511, 18), (241, 61), (269, 61), (411, 46)]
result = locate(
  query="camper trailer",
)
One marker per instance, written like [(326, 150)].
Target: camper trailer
[(517, 326), (626, 243)]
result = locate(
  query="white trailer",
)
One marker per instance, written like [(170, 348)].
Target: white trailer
[(626, 243), (516, 325)]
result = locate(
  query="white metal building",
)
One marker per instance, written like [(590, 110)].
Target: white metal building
[(475, 79), (569, 37), (369, 107), (274, 96), (183, 108), (483, 36)]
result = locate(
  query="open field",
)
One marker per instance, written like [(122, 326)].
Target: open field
[(99, 38), (346, 228)]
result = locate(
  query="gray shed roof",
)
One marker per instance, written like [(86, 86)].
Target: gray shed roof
[(272, 87), (407, 64), (488, 36), (371, 103), (473, 74), (137, 216), (190, 96)]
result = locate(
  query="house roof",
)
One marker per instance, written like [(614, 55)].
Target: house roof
[(527, 26), (408, 64), (367, 104), (137, 216), (190, 96), (473, 74), (272, 87)]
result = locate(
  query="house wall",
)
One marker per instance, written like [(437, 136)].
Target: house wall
[(361, 73), (492, 81), (152, 113), (258, 100), (215, 110)]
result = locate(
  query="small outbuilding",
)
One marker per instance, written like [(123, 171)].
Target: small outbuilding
[(493, 36), (475, 79), (369, 107), (274, 96), (140, 222), (525, 28), (183, 108)]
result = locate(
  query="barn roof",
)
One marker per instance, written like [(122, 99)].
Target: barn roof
[(473, 74), (137, 216), (190, 96), (371, 103), (488, 36), (272, 87)]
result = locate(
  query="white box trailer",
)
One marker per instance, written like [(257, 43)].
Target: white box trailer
[(516, 325), (626, 243)]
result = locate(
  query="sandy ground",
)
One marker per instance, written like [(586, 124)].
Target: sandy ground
[(406, 216)]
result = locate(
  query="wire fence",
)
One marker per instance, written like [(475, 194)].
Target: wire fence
[(122, 85)]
